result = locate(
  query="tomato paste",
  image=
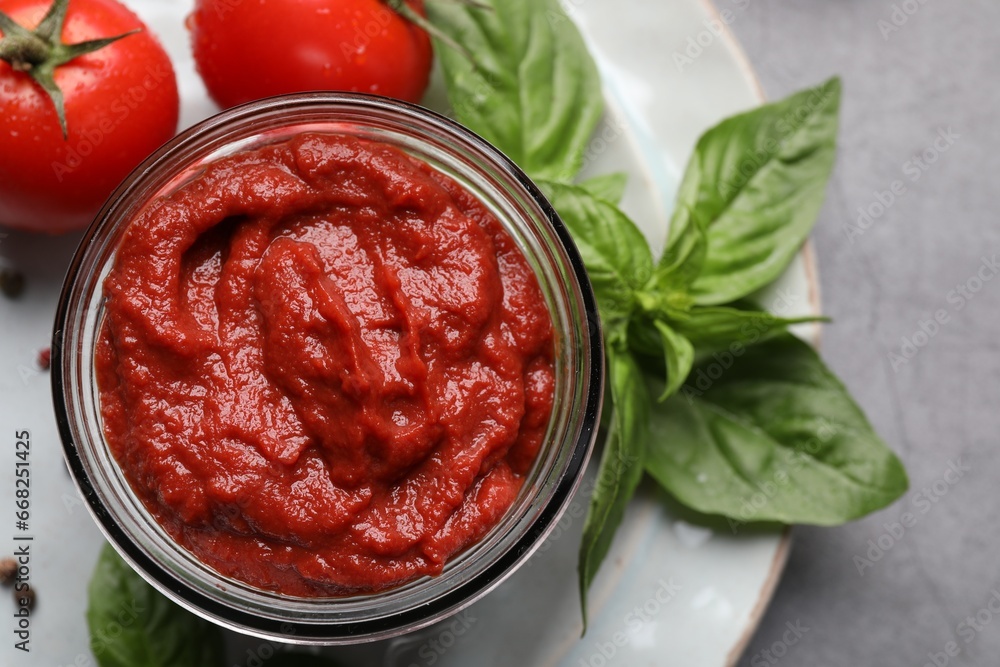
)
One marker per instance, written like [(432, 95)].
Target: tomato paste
[(325, 368)]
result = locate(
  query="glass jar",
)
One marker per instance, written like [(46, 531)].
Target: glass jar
[(530, 221)]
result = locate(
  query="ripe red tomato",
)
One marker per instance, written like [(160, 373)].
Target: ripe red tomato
[(251, 50), (121, 104)]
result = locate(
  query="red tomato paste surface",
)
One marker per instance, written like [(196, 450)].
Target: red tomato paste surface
[(325, 368)]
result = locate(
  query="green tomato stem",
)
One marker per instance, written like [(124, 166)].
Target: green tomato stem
[(24, 52)]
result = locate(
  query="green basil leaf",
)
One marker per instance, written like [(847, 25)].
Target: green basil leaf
[(684, 255), (615, 252), (678, 352), (772, 435), (645, 341), (758, 181), (720, 327), (133, 625), (621, 464), (610, 187), (533, 90)]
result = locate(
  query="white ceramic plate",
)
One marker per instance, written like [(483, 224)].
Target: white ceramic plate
[(675, 590)]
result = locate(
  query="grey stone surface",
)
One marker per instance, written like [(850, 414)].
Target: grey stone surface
[(902, 88)]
